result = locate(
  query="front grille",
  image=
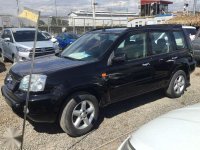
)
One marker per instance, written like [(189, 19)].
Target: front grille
[(42, 51)]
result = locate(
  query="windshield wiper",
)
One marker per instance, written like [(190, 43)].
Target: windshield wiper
[(71, 58)]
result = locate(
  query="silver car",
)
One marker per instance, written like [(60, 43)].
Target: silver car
[(17, 44), (176, 130)]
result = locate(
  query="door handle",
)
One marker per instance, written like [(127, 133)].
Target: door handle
[(146, 64), (161, 60), (115, 76), (174, 58)]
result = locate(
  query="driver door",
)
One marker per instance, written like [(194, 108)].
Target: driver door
[(133, 76)]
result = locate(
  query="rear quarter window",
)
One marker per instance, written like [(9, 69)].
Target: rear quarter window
[(180, 40)]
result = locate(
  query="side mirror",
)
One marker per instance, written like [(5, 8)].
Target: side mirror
[(7, 39), (119, 58)]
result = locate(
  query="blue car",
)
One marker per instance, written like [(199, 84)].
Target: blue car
[(65, 39)]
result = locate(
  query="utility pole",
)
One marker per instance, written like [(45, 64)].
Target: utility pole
[(94, 14), (19, 24), (56, 12), (194, 7)]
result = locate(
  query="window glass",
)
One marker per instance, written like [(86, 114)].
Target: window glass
[(28, 35), (191, 31), (133, 46), (10, 36), (160, 42), (5, 34), (90, 46), (179, 39)]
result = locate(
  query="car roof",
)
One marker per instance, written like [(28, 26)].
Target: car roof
[(189, 27), (20, 29), (121, 30)]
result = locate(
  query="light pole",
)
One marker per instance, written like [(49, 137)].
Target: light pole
[(19, 24), (55, 3), (194, 7), (93, 13)]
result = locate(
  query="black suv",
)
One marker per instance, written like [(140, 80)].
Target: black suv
[(102, 67)]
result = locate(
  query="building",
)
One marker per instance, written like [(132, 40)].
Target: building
[(102, 19), (142, 21), (7, 20), (154, 7)]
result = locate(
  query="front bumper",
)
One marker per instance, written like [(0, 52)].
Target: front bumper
[(42, 108)]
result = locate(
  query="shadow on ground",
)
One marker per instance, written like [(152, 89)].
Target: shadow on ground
[(107, 112), (2, 67), (120, 107)]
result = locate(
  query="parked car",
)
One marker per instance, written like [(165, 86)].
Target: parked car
[(190, 31), (100, 68), (176, 130), (17, 44), (196, 47), (49, 36), (65, 39)]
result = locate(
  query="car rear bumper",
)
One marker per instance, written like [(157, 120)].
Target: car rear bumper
[(197, 55), (41, 108)]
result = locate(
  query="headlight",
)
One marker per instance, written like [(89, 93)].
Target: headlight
[(37, 83), (55, 45), (22, 49)]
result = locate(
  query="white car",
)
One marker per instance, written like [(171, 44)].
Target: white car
[(17, 44), (176, 130), (51, 37), (191, 31)]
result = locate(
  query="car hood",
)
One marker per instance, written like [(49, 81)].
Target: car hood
[(39, 44), (176, 130), (45, 65)]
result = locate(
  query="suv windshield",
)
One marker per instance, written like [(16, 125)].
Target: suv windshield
[(90, 46), (27, 36)]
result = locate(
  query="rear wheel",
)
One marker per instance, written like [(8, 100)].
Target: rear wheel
[(80, 114), (177, 85), (3, 58), (15, 60)]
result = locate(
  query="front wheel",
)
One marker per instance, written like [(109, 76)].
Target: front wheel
[(3, 58), (177, 85), (80, 114)]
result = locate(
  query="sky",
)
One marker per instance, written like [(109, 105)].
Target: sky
[(47, 7)]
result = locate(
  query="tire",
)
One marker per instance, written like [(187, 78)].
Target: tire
[(3, 58), (177, 85), (15, 60), (80, 114)]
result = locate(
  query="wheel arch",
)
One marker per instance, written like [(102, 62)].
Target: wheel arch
[(183, 66), (98, 93)]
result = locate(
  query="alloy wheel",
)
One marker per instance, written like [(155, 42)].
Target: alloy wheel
[(83, 114), (179, 84)]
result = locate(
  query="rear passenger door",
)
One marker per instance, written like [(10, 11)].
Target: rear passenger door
[(161, 43)]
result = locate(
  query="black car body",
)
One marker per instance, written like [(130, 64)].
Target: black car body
[(116, 74), (196, 46)]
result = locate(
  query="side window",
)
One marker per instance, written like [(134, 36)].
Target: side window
[(134, 46), (161, 42), (10, 36), (179, 39), (5, 34)]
